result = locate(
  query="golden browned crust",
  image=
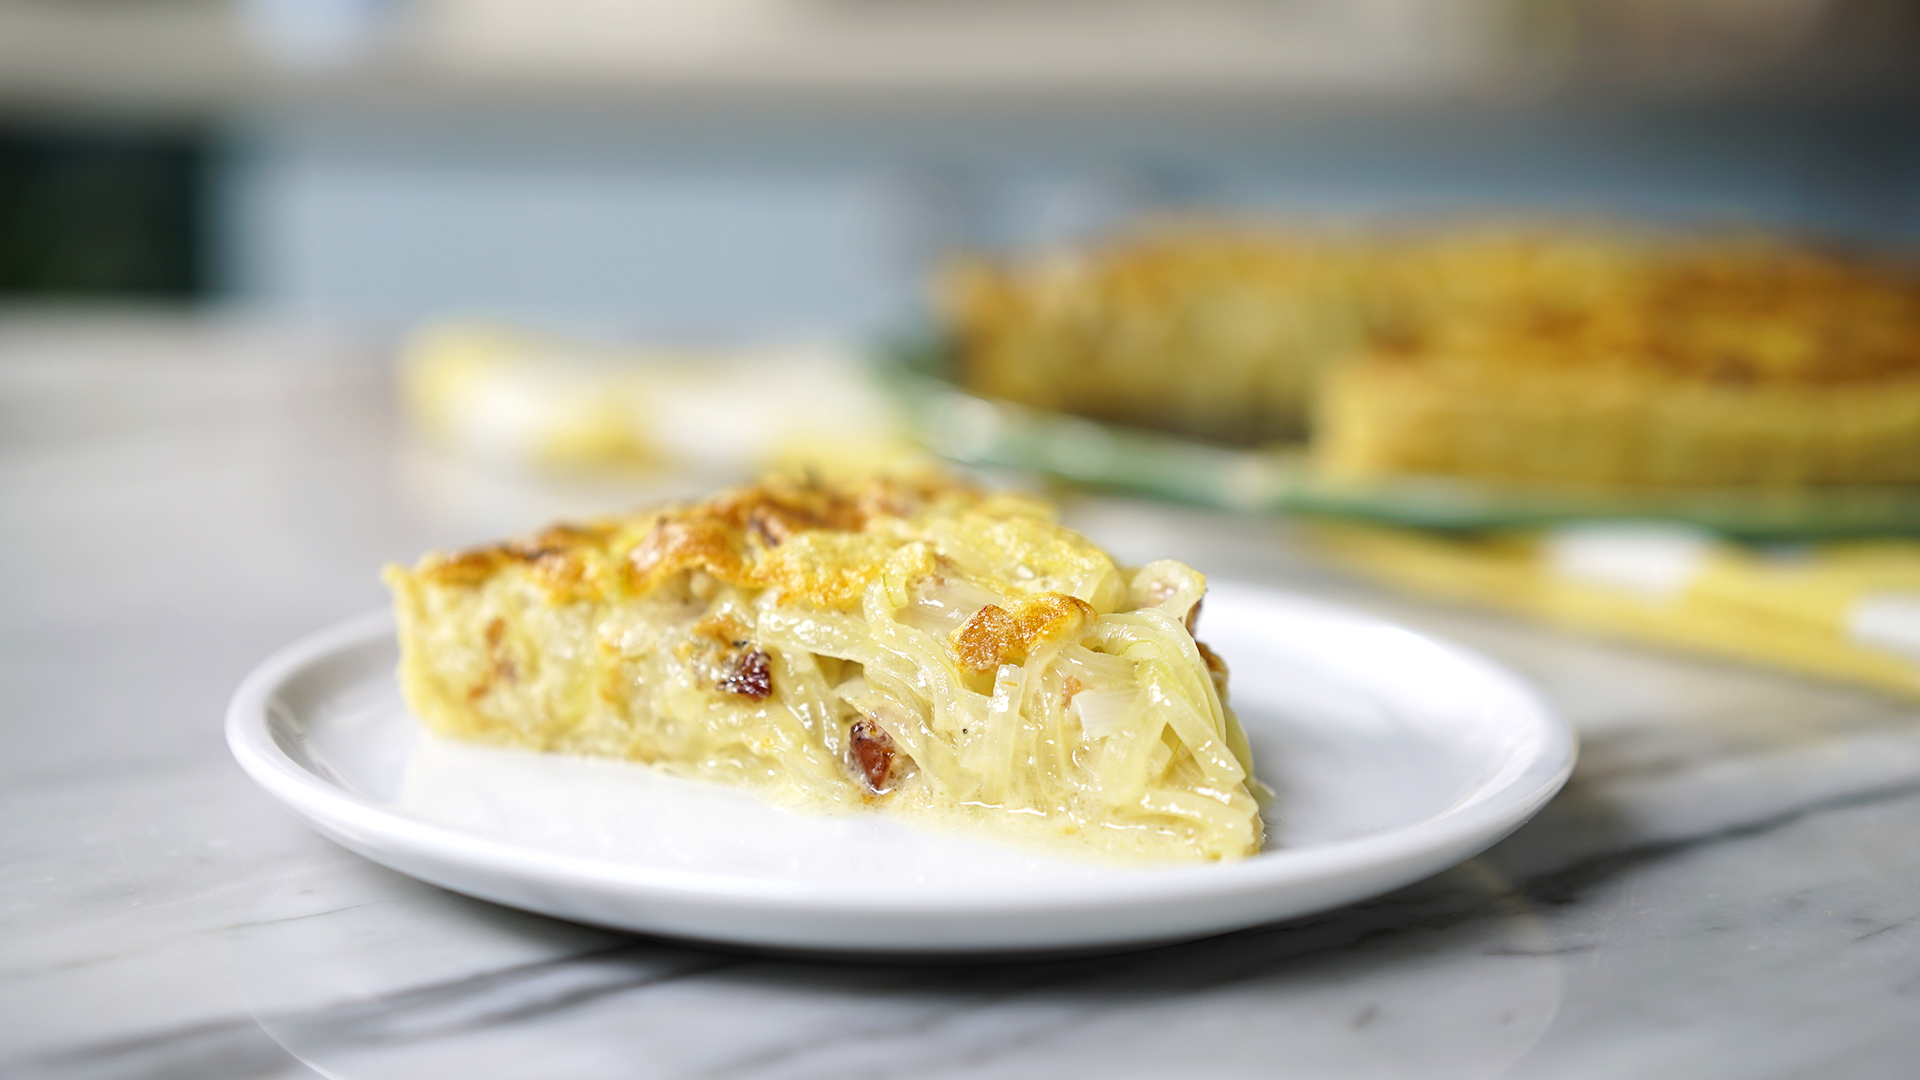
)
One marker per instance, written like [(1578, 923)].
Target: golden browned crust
[(1222, 334), (997, 635), (819, 543), (1617, 428), (1747, 313)]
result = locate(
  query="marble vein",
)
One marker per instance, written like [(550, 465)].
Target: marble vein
[(1566, 884), (510, 996)]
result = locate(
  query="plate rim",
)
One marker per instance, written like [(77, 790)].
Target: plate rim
[(334, 809)]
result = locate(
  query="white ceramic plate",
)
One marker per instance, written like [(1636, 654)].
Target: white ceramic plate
[(1394, 756)]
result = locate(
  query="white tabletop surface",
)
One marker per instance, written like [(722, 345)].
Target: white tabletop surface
[(1728, 888)]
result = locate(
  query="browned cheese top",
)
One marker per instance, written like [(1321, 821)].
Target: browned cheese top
[(820, 543), (996, 635), (1717, 308)]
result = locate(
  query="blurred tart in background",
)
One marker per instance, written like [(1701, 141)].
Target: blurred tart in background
[(1572, 356)]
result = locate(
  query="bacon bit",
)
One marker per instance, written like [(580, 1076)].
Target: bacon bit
[(502, 669), (751, 676), (871, 750), (996, 636), (1072, 686)]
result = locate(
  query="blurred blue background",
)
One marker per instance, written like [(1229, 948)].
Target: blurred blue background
[(763, 168)]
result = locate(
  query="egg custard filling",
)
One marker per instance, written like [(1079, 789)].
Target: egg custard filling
[(915, 646)]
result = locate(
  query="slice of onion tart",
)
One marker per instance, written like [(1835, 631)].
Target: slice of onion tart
[(912, 645)]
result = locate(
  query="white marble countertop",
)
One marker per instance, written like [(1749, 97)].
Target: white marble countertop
[(1728, 887)]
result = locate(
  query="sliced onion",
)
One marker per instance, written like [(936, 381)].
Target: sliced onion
[(1103, 712), (943, 605), (1172, 587), (1095, 668)]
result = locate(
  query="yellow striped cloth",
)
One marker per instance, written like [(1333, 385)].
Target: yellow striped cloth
[(1844, 609)]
